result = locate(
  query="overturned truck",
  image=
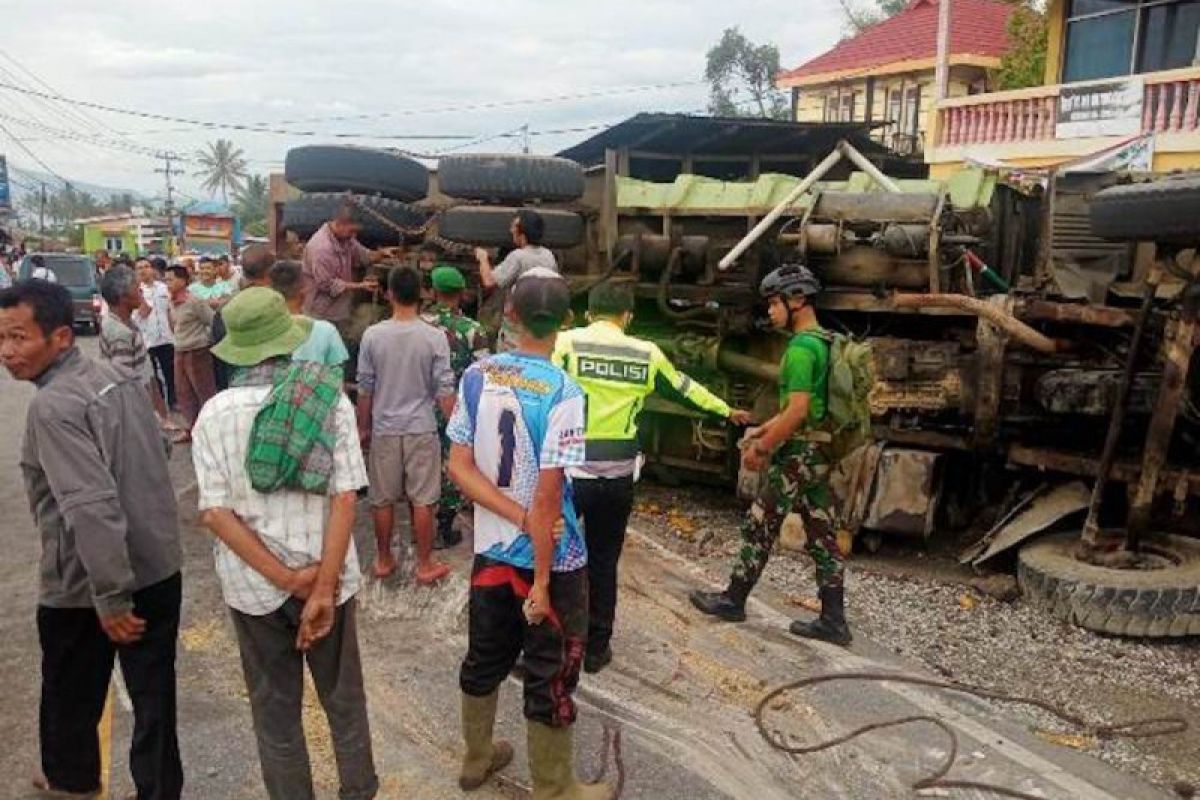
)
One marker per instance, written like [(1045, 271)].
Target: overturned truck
[(1024, 337), (1015, 347)]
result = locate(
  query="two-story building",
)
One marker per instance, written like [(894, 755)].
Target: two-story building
[(1122, 87), (885, 75)]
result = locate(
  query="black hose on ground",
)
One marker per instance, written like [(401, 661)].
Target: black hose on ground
[(1134, 729)]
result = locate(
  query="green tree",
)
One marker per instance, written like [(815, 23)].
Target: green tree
[(858, 16), (741, 74), (1025, 62), (120, 203), (222, 166), (250, 204), (1023, 65)]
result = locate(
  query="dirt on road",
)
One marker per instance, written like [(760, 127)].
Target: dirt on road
[(916, 601), (680, 694)]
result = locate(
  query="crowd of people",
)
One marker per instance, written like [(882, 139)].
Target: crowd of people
[(540, 437)]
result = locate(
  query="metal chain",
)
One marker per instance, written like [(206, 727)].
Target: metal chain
[(456, 248)]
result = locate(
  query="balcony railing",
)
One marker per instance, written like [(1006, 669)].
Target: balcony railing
[(1171, 105)]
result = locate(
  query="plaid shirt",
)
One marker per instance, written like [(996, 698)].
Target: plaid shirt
[(290, 523)]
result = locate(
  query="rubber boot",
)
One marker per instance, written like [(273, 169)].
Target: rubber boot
[(831, 625), (445, 536), (550, 754), (483, 756), (729, 605), (594, 661)]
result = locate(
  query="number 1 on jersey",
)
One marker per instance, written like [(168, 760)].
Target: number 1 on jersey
[(508, 446)]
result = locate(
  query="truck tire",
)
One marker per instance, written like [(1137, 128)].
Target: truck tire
[(489, 226), (510, 178), (1154, 603), (335, 168), (1166, 210), (305, 215)]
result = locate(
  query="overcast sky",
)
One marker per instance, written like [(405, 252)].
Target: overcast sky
[(271, 61)]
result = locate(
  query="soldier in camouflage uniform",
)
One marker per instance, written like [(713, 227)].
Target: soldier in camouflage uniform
[(797, 467), (468, 343)]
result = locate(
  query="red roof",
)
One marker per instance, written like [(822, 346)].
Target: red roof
[(977, 27)]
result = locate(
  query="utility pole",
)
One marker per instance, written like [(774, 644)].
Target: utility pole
[(166, 171), (525, 138), (942, 72), (42, 209)]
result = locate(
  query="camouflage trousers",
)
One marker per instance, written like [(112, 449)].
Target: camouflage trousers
[(797, 481), (452, 500)]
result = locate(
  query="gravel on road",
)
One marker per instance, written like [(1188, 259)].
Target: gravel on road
[(918, 605)]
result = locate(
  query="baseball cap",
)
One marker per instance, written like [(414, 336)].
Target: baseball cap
[(447, 279), (541, 301)]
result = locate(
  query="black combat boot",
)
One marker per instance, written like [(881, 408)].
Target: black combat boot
[(729, 605), (594, 661), (446, 536), (831, 625)]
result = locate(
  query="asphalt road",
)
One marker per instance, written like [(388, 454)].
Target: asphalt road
[(680, 693)]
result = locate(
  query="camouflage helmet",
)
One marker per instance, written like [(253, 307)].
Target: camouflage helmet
[(790, 280)]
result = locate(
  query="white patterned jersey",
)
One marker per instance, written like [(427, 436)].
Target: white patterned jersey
[(520, 414)]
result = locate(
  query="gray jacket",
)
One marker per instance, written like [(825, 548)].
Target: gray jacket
[(95, 471)]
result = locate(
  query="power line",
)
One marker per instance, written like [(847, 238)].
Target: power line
[(207, 124), (56, 113), (32, 154), (270, 128), (492, 104), (41, 110), (489, 105), (95, 141), (83, 116)]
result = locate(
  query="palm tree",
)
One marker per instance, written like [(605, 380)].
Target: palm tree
[(250, 203), (222, 166)]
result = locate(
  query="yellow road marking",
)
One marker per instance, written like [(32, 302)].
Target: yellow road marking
[(104, 731)]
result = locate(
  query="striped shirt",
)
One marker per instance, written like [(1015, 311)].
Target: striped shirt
[(121, 343)]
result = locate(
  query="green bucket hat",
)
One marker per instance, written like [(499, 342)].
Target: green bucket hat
[(259, 326), (447, 279)]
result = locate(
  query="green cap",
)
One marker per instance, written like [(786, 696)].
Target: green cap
[(448, 279), (259, 326)]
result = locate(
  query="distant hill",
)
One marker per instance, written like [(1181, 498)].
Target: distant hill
[(33, 178)]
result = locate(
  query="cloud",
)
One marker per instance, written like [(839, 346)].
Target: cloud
[(272, 60), (172, 63)]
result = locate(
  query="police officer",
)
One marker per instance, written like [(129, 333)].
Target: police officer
[(468, 343), (617, 373), (797, 466)]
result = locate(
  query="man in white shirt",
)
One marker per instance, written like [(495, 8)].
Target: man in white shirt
[(154, 320), (527, 228), (40, 271), (288, 569)]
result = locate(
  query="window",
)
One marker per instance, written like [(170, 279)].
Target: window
[(839, 107), (1108, 38), (912, 110), (1167, 39), (114, 244), (847, 110)]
